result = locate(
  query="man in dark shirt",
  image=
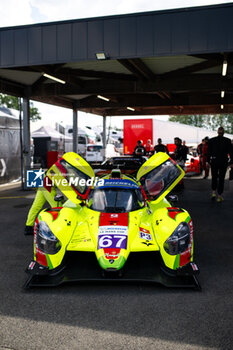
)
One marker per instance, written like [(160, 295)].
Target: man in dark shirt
[(139, 150), (186, 149), (160, 147), (180, 152), (199, 147), (218, 153), (199, 151)]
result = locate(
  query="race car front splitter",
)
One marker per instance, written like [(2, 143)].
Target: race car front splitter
[(140, 267)]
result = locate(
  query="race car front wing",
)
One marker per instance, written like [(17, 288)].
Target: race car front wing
[(140, 267)]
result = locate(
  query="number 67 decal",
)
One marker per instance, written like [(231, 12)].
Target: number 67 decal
[(113, 241)]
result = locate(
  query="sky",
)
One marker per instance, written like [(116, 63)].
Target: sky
[(21, 12)]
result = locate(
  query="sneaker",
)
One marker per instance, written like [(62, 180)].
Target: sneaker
[(220, 199), (213, 196)]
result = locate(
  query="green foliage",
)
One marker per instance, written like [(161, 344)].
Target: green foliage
[(13, 102), (211, 122)]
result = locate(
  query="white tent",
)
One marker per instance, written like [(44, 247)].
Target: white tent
[(47, 131)]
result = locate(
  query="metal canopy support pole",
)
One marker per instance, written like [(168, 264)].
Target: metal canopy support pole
[(26, 138), (75, 130), (104, 136)]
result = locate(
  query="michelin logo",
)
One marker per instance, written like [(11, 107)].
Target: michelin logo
[(35, 178)]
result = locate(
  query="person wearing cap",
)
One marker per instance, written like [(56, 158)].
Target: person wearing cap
[(219, 156)]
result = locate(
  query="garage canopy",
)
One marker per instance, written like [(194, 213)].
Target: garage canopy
[(163, 62)]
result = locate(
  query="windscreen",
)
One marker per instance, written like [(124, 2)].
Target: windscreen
[(94, 148), (115, 200), (75, 177), (159, 179)]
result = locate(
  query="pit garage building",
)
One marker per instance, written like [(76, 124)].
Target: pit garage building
[(163, 62)]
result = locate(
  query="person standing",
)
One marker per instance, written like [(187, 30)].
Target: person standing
[(204, 158), (149, 148), (139, 150), (180, 156), (185, 148), (199, 152), (160, 147), (43, 194), (219, 155), (180, 152)]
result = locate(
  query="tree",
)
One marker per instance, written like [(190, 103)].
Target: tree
[(225, 120), (13, 102), (195, 120), (211, 122)]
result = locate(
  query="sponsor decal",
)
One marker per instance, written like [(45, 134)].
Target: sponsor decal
[(35, 178), (31, 265), (113, 231), (194, 267), (121, 219), (118, 183), (111, 253), (112, 240), (147, 243), (145, 234)]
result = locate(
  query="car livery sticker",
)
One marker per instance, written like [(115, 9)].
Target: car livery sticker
[(186, 256), (111, 253), (172, 212), (145, 234), (54, 212), (31, 265), (194, 267), (113, 232), (112, 237), (118, 183)]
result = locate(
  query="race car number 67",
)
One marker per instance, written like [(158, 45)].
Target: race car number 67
[(114, 241)]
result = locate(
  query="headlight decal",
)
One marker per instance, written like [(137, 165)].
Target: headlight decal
[(185, 257), (39, 256), (45, 243), (179, 240)]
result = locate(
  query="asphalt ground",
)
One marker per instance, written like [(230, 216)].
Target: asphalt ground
[(95, 316)]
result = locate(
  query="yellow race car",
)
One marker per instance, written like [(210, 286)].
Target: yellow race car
[(114, 228)]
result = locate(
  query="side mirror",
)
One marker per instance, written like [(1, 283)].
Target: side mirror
[(59, 198), (173, 198)]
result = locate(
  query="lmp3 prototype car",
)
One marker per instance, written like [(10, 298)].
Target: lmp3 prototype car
[(115, 228)]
